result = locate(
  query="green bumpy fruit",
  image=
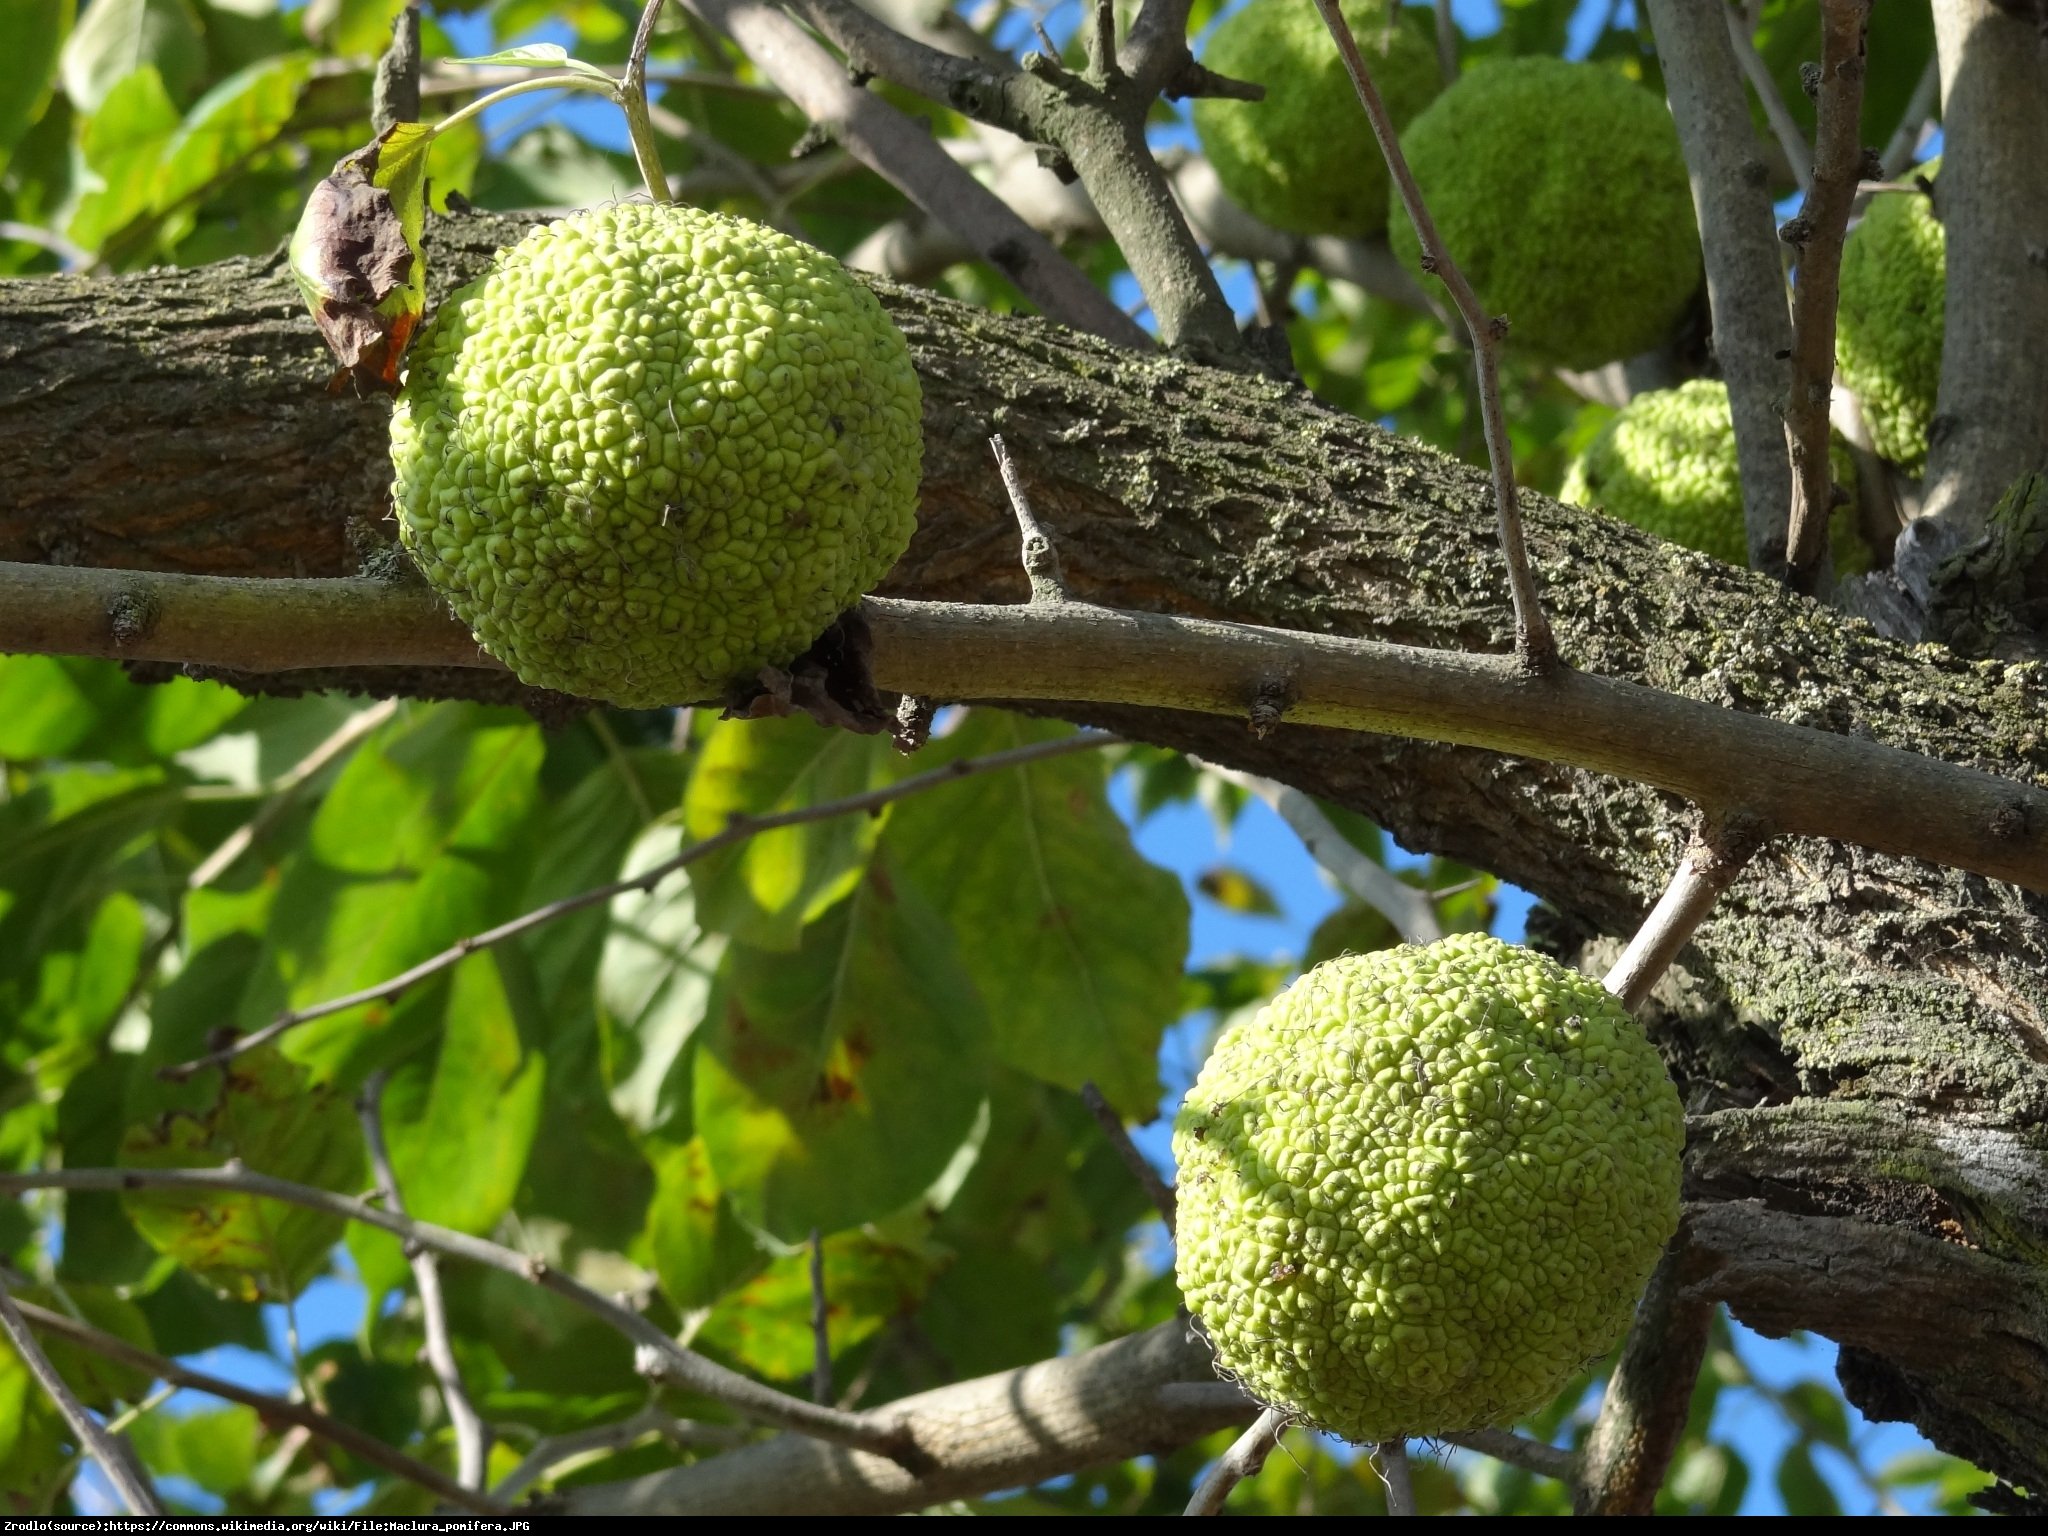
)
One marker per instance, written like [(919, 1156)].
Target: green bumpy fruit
[(1889, 320), (1304, 159), (1561, 194), (1424, 1186), (654, 449), (1667, 463)]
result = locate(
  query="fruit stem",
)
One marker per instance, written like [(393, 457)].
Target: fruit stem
[(632, 99)]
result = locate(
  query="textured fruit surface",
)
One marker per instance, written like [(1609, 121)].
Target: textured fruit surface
[(1424, 1186), (1560, 192), (1888, 327), (1667, 463), (1304, 159), (654, 449)]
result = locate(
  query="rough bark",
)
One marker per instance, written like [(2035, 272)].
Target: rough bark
[(1865, 1037)]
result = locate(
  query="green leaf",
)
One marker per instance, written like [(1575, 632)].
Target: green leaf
[(67, 706), (1075, 942), (116, 39), (1236, 890), (1353, 929), (99, 1243), (422, 841), (1820, 1412), (122, 145), (540, 56), (767, 888), (653, 991), (216, 1448), (262, 1110), (765, 1325), (700, 1249), (1800, 1484), (835, 1083), (35, 30), (244, 113)]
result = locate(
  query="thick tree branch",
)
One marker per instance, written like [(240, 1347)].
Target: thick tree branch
[(1823, 220), (176, 420), (1783, 780), (1643, 1413), (1731, 192), (272, 1409), (1004, 1431), (666, 1359), (1991, 413), (906, 155)]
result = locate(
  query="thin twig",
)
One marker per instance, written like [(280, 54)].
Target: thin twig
[(1535, 645), (472, 1435), (1712, 860), (1411, 911), (1446, 42), (821, 1324), (1102, 42), (551, 1451), (633, 99), (658, 1357), (1823, 221), (1904, 144), (1648, 1398), (1783, 125), (1392, 1457), (1041, 559), (395, 88), (136, 1494), (69, 256), (279, 793), (1247, 1454), (275, 1410), (1157, 1190), (1504, 1445), (738, 831)]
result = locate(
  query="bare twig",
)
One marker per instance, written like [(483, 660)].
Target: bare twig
[(1515, 1450), (1392, 1458), (821, 1324), (1731, 192), (1411, 911), (1904, 144), (472, 1435), (1712, 860), (1041, 559), (905, 154), (1790, 139), (1157, 1190), (1247, 1454), (740, 829), (553, 1451), (395, 89), (136, 1495), (279, 793), (1535, 645), (1102, 42), (1818, 231), (70, 257), (1648, 1397), (1446, 42), (659, 1357), (273, 1410), (633, 98)]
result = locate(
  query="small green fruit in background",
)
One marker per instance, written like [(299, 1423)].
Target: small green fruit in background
[(1304, 159), (1889, 320), (1424, 1186), (655, 449), (1561, 194), (1666, 462)]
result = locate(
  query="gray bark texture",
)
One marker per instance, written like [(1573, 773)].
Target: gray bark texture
[(1862, 1040)]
